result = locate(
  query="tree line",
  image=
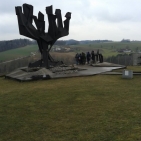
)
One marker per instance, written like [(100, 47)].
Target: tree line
[(12, 44), (17, 43), (75, 42)]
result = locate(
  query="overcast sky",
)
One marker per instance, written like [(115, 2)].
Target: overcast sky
[(91, 19)]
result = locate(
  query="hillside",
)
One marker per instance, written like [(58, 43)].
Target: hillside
[(100, 108), (19, 52), (108, 49)]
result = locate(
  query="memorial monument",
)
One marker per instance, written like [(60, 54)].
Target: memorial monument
[(46, 67), (45, 40)]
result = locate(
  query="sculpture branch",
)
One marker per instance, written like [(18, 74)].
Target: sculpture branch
[(44, 40)]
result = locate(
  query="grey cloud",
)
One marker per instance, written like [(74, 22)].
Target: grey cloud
[(85, 13), (7, 6), (105, 15), (8, 25), (120, 11)]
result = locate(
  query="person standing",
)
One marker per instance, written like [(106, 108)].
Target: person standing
[(83, 58), (77, 58), (93, 57), (88, 57), (80, 58)]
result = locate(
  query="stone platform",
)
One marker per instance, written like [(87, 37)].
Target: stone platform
[(26, 74)]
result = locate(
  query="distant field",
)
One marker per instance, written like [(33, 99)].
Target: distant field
[(107, 49), (19, 52), (94, 108), (115, 45)]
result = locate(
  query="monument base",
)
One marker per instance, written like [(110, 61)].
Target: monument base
[(63, 71)]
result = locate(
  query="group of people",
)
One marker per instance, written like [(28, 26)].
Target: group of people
[(82, 58)]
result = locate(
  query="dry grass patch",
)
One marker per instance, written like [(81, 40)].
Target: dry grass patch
[(99, 108)]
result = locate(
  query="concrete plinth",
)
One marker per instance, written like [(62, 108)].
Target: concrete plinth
[(25, 74)]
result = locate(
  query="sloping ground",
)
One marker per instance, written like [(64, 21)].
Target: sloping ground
[(19, 52), (9, 66), (99, 108)]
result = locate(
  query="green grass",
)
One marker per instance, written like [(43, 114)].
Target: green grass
[(96, 108), (109, 52), (108, 49), (19, 52), (134, 69), (113, 45)]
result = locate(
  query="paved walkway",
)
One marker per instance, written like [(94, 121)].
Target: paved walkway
[(24, 74)]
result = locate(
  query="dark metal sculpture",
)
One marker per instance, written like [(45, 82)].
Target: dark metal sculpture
[(45, 40)]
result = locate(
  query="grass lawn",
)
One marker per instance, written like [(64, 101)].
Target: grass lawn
[(134, 69), (96, 108), (19, 52)]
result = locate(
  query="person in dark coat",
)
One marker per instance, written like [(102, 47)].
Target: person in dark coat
[(77, 58), (93, 57), (83, 58), (97, 56), (88, 57), (80, 58)]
